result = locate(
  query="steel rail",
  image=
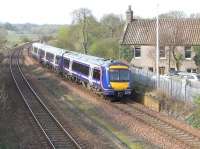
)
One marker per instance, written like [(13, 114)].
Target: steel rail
[(57, 123)]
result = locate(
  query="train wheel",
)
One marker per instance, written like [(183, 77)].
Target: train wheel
[(88, 86)]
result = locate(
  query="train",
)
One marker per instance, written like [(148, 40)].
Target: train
[(104, 76)]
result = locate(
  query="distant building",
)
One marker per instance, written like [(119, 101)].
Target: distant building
[(182, 34)]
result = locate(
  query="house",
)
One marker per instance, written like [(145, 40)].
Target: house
[(177, 40)]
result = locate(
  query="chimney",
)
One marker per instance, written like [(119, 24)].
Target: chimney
[(129, 14)]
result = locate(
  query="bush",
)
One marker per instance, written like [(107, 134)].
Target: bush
[(194, 118), (126, 53), (1, 57), (107, 48)]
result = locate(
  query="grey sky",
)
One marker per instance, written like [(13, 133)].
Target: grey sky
[(59, 11)]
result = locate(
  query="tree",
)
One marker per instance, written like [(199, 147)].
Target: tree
[(3, 37), (80, 16), (113, 23), (194, 118), (195, 15), (126, 53), (107, 48), (197, 57), (64, 38), (173, 15), (171, 37), (46, 38), (9, 26), (25, 39), (178, 58)]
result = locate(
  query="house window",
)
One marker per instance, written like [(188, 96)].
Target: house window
[(172, 69), (189, 70), (188, 52), (150, 69), (162, 52), (194, 70), (137, 52), (161, 70)]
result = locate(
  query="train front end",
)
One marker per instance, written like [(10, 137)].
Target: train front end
[(118, 80)]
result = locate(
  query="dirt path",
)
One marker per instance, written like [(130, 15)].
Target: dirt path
[(17, 129)]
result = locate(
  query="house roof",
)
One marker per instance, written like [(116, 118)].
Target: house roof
[(180, 32)]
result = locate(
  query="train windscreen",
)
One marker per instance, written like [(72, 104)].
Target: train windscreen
[(119, 75)]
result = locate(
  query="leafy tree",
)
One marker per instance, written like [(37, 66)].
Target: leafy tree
[(25, 39), (46, 38), (126, 53), (197, 57), (3, 37), (63, 38), (107, 48), (194, 119)]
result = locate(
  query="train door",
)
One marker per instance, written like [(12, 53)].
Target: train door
[(96, 77)]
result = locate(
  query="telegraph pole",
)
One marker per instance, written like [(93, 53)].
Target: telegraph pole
[(157, 47)]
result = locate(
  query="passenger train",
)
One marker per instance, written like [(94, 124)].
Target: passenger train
[(104, 76)]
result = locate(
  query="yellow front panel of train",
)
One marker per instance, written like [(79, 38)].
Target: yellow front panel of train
[(119, 85), (118, 67)]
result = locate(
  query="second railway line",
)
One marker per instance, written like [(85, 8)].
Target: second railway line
[(54, 132)]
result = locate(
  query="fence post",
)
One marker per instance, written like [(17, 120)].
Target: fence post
[(183, 88)]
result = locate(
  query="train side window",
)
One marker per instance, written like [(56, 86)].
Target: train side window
[(49, 56), (57, 59), (66, 63), (41, 53), (35, 50), (96, 74), (77, 67)]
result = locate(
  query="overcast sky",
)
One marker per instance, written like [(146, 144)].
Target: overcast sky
[(59, 11)]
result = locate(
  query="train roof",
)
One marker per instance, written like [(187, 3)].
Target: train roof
[(47, 48), (87, 59)]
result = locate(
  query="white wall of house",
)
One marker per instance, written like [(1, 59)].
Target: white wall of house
[(147, 58)]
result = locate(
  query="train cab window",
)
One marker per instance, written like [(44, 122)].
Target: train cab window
[(121, 75), (96, 74), (41, 53), (81, 68), (66, 63), (49, 57), (57, 59)]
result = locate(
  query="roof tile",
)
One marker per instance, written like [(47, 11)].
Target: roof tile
[(171, 32)]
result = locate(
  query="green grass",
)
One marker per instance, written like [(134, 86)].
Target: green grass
[(91, 112)]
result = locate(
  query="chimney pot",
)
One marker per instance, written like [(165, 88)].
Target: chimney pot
[(129, 14)]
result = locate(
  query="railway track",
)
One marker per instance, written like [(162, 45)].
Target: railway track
[(171, 130), (56, 135)]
